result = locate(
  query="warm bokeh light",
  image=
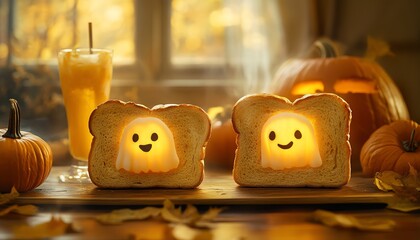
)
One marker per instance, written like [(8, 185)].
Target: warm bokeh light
[(288, 141), (147, 145), (42, 28), (197, 35)]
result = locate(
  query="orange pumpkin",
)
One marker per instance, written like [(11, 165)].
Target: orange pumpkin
[(221, 146), (392, 147), (26, 159), (372, 95)]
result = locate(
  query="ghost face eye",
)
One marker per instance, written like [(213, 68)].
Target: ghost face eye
[(272, 136), (154, 137), (298, 134), (135, 137)]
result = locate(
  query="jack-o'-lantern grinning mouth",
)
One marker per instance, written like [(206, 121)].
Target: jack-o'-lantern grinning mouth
[(287, 146), (146, 147)]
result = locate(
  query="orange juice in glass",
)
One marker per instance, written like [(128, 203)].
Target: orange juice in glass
[(85, 76)]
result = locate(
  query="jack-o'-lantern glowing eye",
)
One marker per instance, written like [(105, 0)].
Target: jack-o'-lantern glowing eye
[(147, 145), (308, 87), (291, 142), (365, 86)]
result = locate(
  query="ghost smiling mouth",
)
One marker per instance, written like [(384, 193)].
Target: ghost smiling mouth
[(287, 146), (146, 147)]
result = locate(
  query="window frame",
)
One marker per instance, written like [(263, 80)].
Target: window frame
[(152, 64)]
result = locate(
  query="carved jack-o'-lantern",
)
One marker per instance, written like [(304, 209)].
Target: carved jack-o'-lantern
[(372, 95)]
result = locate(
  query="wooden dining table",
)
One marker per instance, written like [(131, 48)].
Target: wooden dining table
[(247, 213)]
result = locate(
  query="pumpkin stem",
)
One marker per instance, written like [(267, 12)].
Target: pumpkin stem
[(411, 145), (326, 48), (13, 131)]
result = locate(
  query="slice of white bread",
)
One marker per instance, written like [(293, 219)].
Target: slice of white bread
[(330, 116), (190, 128)]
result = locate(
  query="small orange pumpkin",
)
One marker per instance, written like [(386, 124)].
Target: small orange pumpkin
[(392, 147), (26, 159)]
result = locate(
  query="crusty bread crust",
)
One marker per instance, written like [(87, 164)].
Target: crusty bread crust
[(189, 124), (331, 116)]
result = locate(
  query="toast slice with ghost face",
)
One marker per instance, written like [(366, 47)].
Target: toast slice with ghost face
[(137, 147), (280, 143)]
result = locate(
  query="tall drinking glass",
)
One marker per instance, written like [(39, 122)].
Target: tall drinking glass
[(85, 76)]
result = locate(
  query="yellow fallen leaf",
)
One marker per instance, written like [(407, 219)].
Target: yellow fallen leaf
[(22, 210), (211, 214), (403, 205), (121, 215), (175, 215), (7, 197), (54, 227), (386, 180), (26, 210), (346, 221), (7, 210), (406, 189), (190, 216), (412, 180)]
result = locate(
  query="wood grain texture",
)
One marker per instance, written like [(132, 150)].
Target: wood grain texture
[(216, 189)]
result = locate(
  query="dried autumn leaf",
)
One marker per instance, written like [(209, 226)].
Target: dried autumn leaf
[(7, 197), (211, 214), (7, 210), (121, 215), (175, 215), (403, 205), (406, 189), (54, 227), (22, 210), (26, 210), (386, 180), (190, 216), (346, 221), (412, 180), (168, 212)]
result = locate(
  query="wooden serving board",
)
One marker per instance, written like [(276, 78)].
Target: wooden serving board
[(216, 189)]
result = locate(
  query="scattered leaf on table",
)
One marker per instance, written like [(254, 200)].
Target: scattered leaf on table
[(387, 179), (22, 210), (121, 215), (406, 189), (175, 215), (7, 197), (54, 227), (346, 221), (412, 180), (190, 216), (403, 205)]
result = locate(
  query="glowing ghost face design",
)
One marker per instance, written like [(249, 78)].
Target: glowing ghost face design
[(147, 145), (288, 141)]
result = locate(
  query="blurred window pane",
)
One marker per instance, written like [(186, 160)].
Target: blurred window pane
[(42, 27), (197, 32)]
